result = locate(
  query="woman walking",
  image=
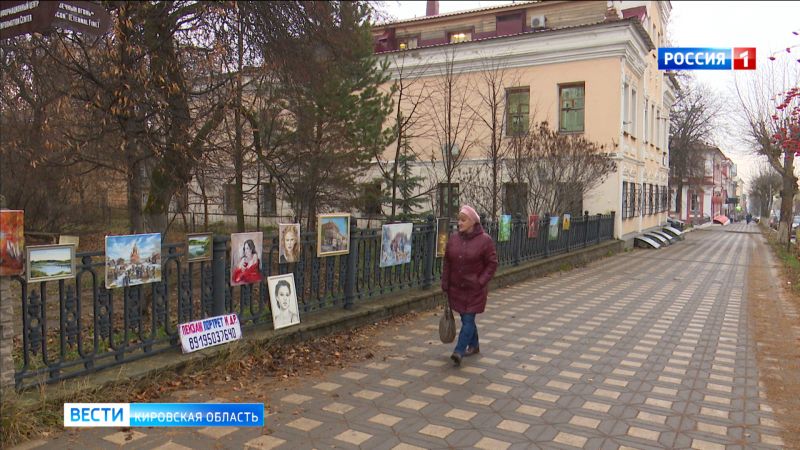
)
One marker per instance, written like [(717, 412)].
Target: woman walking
[(470, 261)]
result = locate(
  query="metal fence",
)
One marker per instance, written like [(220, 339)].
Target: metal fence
[(74, 327)]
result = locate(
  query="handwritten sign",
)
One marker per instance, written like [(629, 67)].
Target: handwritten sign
[(209, 332)]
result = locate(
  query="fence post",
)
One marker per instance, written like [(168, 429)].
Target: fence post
[(350, 275), (429, 258), (516, 238), (218, 261), (585, 228), (546, 234), (599, 221)]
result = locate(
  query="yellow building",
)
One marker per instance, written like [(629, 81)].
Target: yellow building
[(587, 68)]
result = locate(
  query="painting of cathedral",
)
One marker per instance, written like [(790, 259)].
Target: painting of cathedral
[(333, 234), (133, 259)]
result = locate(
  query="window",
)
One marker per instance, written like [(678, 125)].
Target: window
[(268, 201), (652, 124), (633, 112), (626, 112), (571, 99), (693, 203), (517, 109), (515, 200), (229, 199), (371, 198), (624, 199), (646, 122), (448, 193), (408, 43), (652, 200), (460, 36)]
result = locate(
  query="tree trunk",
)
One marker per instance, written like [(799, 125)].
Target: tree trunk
[(135, 219), (787, 199)]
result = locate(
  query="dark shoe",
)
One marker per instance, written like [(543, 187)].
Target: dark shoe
[(456, 359), (472, 351)]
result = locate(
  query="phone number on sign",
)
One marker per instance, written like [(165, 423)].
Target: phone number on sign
[(212, 338)]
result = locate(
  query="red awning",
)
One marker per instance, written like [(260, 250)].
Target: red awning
[(722, 220)]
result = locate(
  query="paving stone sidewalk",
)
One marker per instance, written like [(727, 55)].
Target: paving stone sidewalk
[(647, 349)]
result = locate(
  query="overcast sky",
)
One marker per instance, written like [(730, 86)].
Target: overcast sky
[(768, 26)]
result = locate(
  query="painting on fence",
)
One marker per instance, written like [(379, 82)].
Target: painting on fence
[(533, 226), (246, 258), (283, 301), (504, 234), (333, 234), (289, 242), (442, 235), (50, 262), (396, 244), (198, 246), (12, 241), (566, 222), (133, 259), (553, 228)]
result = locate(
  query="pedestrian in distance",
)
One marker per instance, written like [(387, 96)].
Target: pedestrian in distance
[(470, 261)]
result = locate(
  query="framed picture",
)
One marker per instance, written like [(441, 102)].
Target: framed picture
[(396, 244), (504, 234), (283, 301), (12, 241), (133, 259), (50, 262), (553, 228), (198, 246), (533, 226), (442, 235), (565, 223), (246, 258), (289, 243), (333, 234)]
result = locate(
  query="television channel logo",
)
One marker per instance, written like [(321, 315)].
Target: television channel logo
[(706, 58)]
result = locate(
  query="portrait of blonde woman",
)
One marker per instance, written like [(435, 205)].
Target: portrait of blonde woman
[(289, 243)]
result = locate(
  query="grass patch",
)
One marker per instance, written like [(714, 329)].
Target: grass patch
[(789, 258)]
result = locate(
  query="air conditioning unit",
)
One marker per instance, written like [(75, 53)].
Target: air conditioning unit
[(537, 22)]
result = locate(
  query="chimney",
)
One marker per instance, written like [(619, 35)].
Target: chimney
[(432, 8)]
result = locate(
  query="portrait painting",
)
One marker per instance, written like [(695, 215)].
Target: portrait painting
[(533, 226), (442, 235), (504, 233), (333, 234), (565, 223), (133, 259), (12, 242), (283, 301), (50, 262), (289, 243), (198, 246), (396, 244), (246, 249)]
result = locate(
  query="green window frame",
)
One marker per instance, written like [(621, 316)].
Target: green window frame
[(517, 110), (571, 108)]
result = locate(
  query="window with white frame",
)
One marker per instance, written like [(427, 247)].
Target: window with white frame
[(652, 122), (633, 111), (646, 121), (626, 114)]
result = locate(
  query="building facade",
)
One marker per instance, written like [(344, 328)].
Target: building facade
[(716, 193), (586, 68)]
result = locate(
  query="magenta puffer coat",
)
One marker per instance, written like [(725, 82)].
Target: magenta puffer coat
[(470, 261)]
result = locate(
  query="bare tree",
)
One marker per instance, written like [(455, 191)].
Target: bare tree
[(692, 121), (768, 113), (453, 121), (764, 185), (410, 95), (558, 169)]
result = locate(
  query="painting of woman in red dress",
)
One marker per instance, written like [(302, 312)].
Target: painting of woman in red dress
[(245, 264)]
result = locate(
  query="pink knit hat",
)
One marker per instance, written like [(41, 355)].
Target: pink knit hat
[(470, 212)]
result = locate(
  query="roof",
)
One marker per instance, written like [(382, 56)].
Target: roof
[(515, 5), (633, 20)]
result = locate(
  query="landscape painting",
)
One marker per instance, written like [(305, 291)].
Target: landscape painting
[(504, 234), (50, 262), (133, 259), (198, 247), (333, 234)]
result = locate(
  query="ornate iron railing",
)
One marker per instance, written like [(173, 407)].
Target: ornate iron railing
[(73, 327)]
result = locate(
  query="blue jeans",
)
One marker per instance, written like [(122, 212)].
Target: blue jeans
[(468, 336)]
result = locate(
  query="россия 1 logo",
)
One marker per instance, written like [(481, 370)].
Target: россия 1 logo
[(703, 58)]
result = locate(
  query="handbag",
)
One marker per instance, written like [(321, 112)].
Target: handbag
[(447, 326)]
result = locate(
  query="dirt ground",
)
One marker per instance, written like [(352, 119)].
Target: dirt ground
[(772, 310)]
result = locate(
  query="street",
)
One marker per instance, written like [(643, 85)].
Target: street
[(647, 349)]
